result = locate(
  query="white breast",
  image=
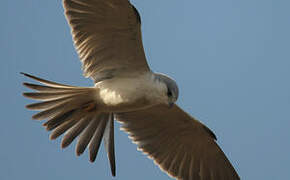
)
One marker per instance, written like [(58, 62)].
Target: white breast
[(129, 90)]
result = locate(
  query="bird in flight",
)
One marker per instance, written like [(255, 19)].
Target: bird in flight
[(107, 37)]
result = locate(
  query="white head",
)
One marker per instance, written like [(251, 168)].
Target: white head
[(171, 91)]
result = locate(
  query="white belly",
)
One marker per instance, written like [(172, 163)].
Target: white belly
[(130, 93)]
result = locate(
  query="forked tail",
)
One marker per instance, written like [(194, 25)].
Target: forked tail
[(72, 110)]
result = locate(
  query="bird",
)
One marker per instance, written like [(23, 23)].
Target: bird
[(108, 39)]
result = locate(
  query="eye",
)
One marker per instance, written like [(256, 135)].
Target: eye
[(169, 93)]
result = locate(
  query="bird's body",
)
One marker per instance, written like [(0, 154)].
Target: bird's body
[(107, 37), (125, 94)]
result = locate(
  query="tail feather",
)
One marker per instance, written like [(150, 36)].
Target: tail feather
[(66, 125), (53, 111), (47, 104), (109, 143), (43, 88), (57, 120), (86, 136), (74, 131), (65, 106), (46, 82), (51, 95), (72, 111), (96, 139)]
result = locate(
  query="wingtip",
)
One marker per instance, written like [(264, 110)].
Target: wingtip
[(29, 106), (26, 94), (52, 137), (45, 125), (25, 84), (36, 117), (25, 74), (64, 143), (79, 152), (113, 171), (92, 160)]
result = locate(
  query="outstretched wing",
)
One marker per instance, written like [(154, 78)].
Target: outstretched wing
[(181, 146), (107, 36)]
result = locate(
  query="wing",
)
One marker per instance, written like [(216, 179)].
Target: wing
[(107, 36), (180, 145)]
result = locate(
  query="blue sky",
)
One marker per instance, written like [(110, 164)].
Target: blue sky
[(231, 60)]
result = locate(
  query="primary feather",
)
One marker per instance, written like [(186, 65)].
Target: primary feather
[(180, 145), (107, 36)]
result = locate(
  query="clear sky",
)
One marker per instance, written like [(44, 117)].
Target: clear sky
[(231, 60)]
